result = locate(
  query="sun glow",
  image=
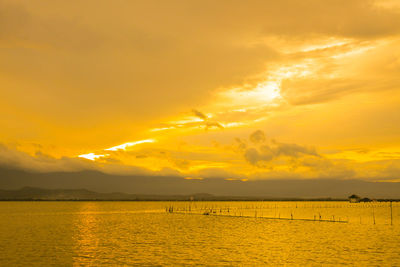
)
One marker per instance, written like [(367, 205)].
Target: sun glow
[(267, 91), (263, 93)]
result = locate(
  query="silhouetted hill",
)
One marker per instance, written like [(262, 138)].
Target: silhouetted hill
[(33, 193), (161, 186)]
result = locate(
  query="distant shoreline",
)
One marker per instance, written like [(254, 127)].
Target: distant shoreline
[(194, 200), (40, 194), (175, 200)]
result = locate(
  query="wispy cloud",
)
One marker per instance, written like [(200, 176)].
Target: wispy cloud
[(129, 144)]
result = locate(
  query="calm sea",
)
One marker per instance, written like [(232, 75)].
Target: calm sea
[(235, 233)]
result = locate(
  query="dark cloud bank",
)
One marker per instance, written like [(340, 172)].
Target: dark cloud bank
[(11, 179)]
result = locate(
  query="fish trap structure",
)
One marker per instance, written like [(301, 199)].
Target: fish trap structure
[(247, 212)]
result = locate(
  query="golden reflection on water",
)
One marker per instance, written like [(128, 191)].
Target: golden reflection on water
[(85, 233)]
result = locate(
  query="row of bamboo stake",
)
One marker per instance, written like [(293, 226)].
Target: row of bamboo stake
[(231, 212)]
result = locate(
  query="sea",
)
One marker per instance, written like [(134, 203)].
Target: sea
[(238, 233)]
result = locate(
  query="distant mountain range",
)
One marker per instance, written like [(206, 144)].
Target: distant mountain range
[(54, 184), (32, 193)]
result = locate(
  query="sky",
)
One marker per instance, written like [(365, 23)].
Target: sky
[(239, 90)]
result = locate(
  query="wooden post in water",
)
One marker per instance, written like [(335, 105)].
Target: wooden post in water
[(373, 214)]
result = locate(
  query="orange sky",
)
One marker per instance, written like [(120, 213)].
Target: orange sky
[(232, 89)]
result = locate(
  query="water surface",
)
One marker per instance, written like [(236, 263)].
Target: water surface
[(144, 234)]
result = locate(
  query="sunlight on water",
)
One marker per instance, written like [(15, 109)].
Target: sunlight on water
[(238, 233)]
